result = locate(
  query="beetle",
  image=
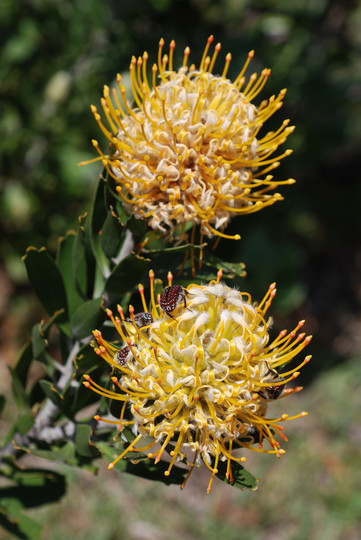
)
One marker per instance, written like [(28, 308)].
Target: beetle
[(171, 298), (123, 356), (141, 319), (272, 392)]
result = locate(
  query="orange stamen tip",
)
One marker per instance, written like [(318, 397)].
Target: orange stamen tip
[(161, 42), (237, 237), (131, 309), (109, 312), (151, 274), (114, 379), (86, 384), (304, 413), (172, 44), (251, 54), (140, 288), (295, 375), (87, 377), (210, 39), (284, 417), (218, 47), (243, 459), (97, 417), (111, 466)]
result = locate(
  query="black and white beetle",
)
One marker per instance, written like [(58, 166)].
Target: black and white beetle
[(142, 319), (123, 356)]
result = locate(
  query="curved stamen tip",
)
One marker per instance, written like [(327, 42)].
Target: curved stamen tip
[(210, 39), (251, 54), (304, 413)]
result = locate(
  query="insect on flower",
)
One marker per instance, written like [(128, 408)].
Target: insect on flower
[(123, 356), (142, 319), (199, 388), (171, 298), (273, 391)]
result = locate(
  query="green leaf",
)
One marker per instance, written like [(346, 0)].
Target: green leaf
[(21, 369), (111, 235), (230, 270), (242, 479), (35, 486), (145, 468), (64, 260), (79, 259), (51, 392), (126, 275), (24, 422), (83, 443), (18, 389), (97, 217), (137, 226), (17, 523), (39, 340), (87, 318), (64, 453), (47, 282)]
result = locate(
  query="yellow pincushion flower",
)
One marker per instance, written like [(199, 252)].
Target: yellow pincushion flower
[(189, 152), (197, 371)]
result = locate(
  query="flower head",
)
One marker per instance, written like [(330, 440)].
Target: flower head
[(190, 150), (198, 372)]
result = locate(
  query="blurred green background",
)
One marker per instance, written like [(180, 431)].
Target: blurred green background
[(56, 56)]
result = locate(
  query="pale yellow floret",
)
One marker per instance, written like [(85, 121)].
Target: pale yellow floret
[(195, 380), (190, 151)]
